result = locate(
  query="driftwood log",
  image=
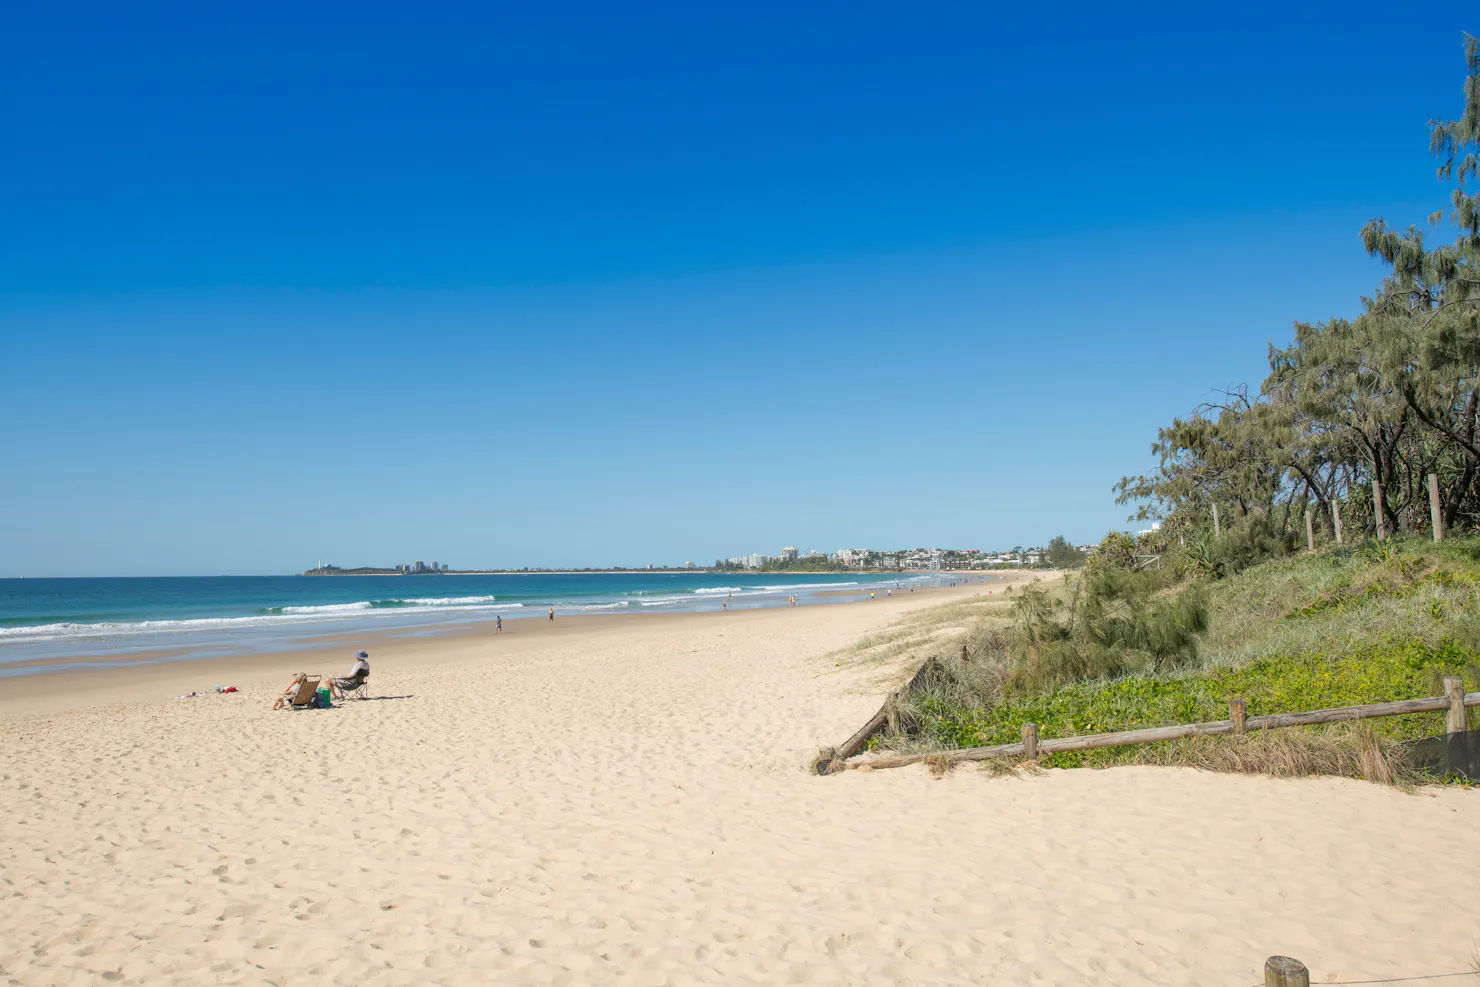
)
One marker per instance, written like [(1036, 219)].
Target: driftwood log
[(855, 743)]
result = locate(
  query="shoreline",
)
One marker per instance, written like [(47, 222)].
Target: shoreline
[(162, 673), (93, 626)]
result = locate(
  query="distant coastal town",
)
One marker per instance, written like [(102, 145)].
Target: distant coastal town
[(1058, 553)]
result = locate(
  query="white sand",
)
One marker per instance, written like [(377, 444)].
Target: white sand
[(636, 811)]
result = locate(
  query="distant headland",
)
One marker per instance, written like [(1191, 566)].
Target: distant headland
[(1057, 554)]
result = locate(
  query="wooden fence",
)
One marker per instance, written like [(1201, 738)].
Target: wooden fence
[(1454, 701)]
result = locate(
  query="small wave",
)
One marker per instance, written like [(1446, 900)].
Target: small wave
[(605, 606), (268, 617), (392, 604), (719, 589), (45, 632), (789, 586), (448, 601), (326, 608)]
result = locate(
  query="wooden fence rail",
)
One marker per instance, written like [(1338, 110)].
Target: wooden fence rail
[(1454, 701)]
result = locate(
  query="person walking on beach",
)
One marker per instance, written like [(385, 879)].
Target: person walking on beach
[(498, 624), (552, 613)]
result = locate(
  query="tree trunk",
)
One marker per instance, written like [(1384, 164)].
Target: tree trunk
[(1379, 509), (1436, 515)]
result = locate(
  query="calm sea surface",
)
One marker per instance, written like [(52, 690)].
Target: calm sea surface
[(118, 621)]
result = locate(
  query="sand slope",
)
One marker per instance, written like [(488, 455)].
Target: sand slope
[(638, 813)]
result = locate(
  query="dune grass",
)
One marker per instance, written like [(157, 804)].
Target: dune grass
[(1337, 628)]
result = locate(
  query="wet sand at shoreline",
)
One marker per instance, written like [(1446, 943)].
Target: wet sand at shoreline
[(172, 672), (624, 800)]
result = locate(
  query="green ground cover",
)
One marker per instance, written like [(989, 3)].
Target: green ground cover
[(1309, 631)]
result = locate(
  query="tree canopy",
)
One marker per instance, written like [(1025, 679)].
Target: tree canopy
[(1354, 414)]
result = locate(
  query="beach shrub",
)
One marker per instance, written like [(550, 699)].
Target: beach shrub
[(1123, 648)]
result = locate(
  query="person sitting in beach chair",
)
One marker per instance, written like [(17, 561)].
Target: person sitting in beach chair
[(354, 683), (301, 693)]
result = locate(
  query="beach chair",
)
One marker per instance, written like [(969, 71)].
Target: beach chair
[(301, 694), (358, 688)]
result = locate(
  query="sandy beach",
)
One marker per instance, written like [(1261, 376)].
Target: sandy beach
[(626, 801)]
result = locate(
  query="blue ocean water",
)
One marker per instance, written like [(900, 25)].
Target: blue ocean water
[(45, 623)]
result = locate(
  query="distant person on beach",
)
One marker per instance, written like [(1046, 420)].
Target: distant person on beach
[(552, 613), (498, 624)]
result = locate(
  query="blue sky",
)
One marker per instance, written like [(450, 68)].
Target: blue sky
[(565, 284)]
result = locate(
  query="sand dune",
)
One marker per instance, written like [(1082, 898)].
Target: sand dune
[(634, 810)]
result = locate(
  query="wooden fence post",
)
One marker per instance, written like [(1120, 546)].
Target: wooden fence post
[(963, 654), (1435, 514), (1310, 529), (1030, 741), (1379, 512), (1454, 688), (1457, 739), (1336, 518), (1281, 971), (1217, 530), (1238, 712)]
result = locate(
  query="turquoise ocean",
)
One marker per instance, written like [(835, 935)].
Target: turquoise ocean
[(47, 624)]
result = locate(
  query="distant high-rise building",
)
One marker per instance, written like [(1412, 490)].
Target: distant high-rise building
[(435, 567), (420, 566), (789, 553)]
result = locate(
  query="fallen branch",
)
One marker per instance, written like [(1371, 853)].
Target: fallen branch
[(854, 744)]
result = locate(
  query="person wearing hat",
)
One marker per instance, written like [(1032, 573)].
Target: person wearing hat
[(358, 674)]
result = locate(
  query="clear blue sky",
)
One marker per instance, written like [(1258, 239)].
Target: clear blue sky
[(546, 284)]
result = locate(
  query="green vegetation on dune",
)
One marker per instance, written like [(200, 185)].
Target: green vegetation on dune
[(1296, 633), (1382, 672)]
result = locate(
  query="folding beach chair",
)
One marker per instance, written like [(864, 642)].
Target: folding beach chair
[(358, 688)]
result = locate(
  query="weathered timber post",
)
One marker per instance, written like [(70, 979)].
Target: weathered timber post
[(1282, 971), (1379, 512), (1217, 530), (963, 654), (1030, 741), (1238, 712), (1436, 515), (1336, 518), (1454, 688), (1457, 739), (1310, 530)]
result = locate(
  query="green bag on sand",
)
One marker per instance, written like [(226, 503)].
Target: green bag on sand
[(324, 700)]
